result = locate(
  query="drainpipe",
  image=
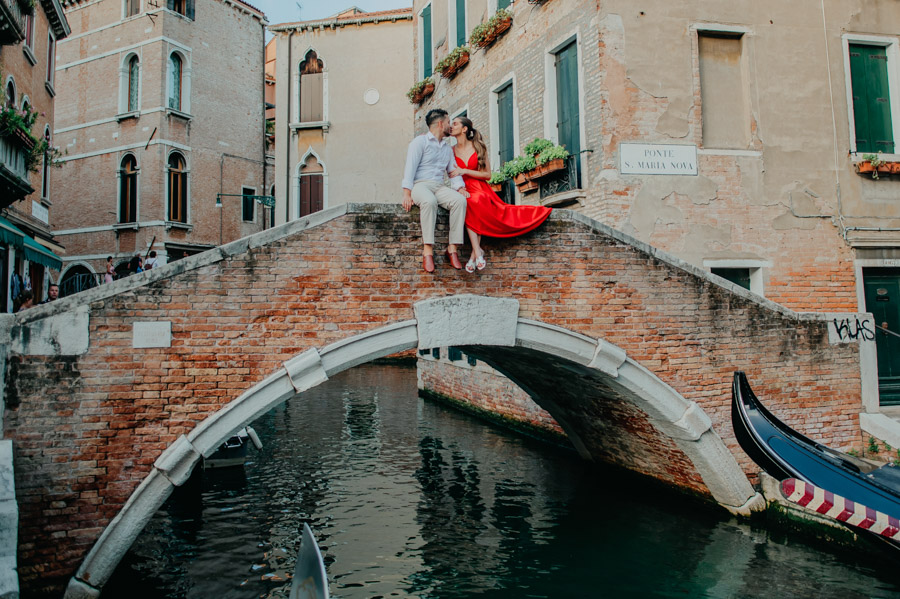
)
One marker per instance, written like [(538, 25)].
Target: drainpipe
[(265, 182), (287, 176)]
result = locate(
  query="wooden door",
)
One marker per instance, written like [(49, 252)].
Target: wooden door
[(883, 301), (312, 196)]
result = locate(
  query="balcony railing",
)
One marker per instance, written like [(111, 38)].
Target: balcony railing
[(14, 176), (12, 20), (79, 283), (568, 179)]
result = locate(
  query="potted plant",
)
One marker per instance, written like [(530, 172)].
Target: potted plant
[(421, 90), (874, 164), (451, 64), (517, 167), (537, 146), (486, 33), (553, 159), (496, 181)]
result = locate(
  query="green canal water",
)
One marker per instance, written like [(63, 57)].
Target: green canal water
[(410, 499)]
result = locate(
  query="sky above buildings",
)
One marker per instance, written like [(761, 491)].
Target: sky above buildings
[(287, 11)]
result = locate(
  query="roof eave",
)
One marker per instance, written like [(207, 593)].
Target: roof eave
[(57, 18)]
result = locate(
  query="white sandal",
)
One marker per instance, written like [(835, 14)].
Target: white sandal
[(471, 264), (480, 262)]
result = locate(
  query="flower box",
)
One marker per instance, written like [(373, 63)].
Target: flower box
[(528, 186), (496, 187), (420, 91), (488, 32), (877, 167), (453, 62), (552, 166)]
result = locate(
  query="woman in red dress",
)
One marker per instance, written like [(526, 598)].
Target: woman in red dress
[(486, 214)]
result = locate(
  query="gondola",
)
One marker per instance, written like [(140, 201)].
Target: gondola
[(784, 453)]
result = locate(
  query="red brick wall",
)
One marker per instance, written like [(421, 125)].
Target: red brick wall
[(87, 429)]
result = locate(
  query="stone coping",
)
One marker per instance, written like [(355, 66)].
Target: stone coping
[(294, 227)]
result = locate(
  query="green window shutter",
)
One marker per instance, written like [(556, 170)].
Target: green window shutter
[(426, 42), (502, 4), (567, 107), (507, 137), (871, 99), (460, 22)]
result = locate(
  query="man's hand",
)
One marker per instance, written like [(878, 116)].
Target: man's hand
[(463, 192), (407, 200), (458, 172)]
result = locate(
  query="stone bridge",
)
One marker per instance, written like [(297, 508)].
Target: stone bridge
[(113, 395)]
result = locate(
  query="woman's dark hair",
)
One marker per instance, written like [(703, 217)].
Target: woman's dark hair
[(434, 115), (108, 258), (477, 140)]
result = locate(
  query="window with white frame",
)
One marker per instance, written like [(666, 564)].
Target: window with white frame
[(248, 204), (134, 84), (743, 273), (47, 163), (176, 80), (29, 30), (456, 18), (132, 8), (10, 93), (872, 94), (311, 101), (183, 7), (51, 58), (128, 189), (177, 188)]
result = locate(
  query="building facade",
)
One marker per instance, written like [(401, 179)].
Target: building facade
[(342, 119), (29, 33), (734, 135), (164, 134)]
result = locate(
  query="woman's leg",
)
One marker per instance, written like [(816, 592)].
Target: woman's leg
[(475, 240)]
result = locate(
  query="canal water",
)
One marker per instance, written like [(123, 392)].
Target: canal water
[(410, 499)]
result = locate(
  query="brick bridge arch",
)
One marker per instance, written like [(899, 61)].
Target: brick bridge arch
[(629, 349)]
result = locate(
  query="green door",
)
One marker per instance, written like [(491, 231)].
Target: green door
[(426, 42), (568, 115), (883, 301), (871, 99), (507, 137)]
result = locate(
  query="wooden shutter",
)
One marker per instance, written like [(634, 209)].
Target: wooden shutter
[(502, 4), (311, 194), (426, 42), (507, 137), (567, 105), (871, 99), (460, 22), (311, 97), (189, 9)]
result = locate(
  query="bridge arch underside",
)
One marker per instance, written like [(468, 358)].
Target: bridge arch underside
[(613, 410)]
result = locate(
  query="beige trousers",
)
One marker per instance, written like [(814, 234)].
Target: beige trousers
[(428, 195)]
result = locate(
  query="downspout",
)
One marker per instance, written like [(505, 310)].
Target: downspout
[(262, 24), (287, 176)]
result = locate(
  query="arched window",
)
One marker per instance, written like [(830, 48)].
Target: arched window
[(132, 7), (45, 170), (178, 188), (10, 93), (134, 84), (312, 88), (312, 187), (128, 189), (175, 80)]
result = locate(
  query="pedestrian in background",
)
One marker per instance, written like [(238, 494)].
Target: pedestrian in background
[(110, 271)]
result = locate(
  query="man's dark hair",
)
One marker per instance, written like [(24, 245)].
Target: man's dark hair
[(434, 115), (52, 285)]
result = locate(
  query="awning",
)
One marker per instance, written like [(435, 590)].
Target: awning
[(35, 252), (11, 234)]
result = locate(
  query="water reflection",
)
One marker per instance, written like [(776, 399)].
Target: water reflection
[(408, 499)]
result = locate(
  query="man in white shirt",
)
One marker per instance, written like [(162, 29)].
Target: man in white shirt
[(428, 160)]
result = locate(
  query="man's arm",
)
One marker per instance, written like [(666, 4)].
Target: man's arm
[(457, 182), (413, 158)]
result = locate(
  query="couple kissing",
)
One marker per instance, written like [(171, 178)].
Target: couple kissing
[(472, 203)]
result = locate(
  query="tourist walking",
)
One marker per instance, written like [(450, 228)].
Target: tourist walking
[(486, 213), (110, 271), (429, 159)]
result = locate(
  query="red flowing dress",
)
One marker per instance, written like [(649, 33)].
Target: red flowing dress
[(487, 214)]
